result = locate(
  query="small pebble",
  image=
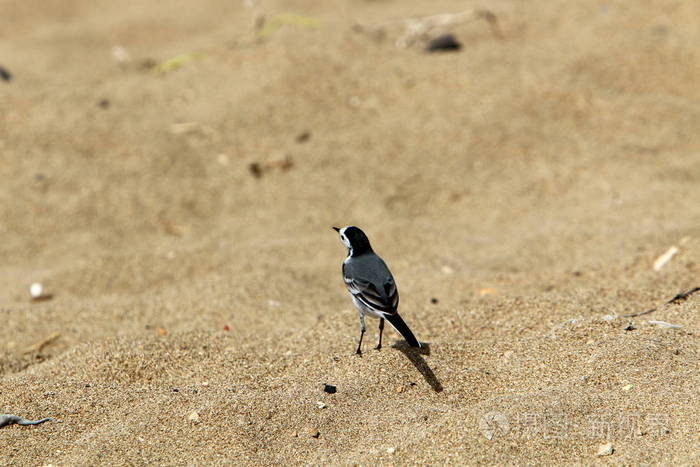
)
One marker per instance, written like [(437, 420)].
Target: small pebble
[(605, 449), (444, 43), (488, 291), (312, 432), (329, 388), (120, 55), (303, 137), (194, 417), (5, 75), (36, 290), (222, 159), (434, 301), (321, 405), (390, 450)]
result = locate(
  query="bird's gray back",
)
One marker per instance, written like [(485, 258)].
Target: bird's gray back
[(370, 268)]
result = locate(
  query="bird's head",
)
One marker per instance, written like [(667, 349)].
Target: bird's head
[(354, 240)]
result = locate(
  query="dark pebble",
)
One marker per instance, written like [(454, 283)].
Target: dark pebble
[(329, 389), (303, 137), (434, 301), (255, 169), (444, 43), (5, 74)]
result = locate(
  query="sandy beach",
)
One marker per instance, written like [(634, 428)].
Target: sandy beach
[(171, 172)]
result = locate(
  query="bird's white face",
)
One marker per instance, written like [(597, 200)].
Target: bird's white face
[(344, 239)]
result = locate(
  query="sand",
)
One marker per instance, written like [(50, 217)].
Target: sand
[(520, 189)]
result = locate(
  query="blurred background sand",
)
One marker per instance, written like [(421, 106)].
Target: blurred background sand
[(520, 189)]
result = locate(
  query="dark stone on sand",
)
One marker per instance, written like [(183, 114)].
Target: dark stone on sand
[(444, 43)]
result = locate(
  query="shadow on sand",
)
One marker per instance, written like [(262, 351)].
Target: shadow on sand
[(416, 357)]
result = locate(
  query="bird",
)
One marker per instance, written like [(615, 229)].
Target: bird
[(371, 286)]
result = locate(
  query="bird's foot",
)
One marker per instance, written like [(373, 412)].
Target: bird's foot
[(378, 347)]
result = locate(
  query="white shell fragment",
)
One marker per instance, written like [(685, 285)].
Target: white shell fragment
[(605, 450), (36, 290), (665, 258)]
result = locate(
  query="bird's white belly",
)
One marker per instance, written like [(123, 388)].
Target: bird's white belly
[(365, 309)]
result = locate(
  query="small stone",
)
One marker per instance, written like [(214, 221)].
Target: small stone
[(434, 301), (605, 450), (120, 55), (303, 137), (329, 388), (399, 389), (627, 387), (390, 450), (194, 417), (488, 291), (5, 74), (444, 43), (36, 290), (312, 432), (321, 405), (222, 159), (295, 434)]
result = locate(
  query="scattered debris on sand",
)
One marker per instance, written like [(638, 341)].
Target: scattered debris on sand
[(421, 30), (8, 419), (258, 169)]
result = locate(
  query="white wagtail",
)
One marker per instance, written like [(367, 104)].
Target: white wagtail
[(371, 285)]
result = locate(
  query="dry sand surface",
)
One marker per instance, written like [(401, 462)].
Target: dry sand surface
[(527, 182)]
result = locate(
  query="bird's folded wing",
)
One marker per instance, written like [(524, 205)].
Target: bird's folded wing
[(386, 300)]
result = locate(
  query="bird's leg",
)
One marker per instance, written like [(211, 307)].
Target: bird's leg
[(362, 333), (381, 330), (359, 345)]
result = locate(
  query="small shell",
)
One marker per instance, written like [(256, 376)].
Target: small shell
[(36, 290)]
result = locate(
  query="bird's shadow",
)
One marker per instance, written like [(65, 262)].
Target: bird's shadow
[(415, 355)]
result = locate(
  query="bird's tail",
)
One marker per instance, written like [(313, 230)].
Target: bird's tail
[(398, 323)]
